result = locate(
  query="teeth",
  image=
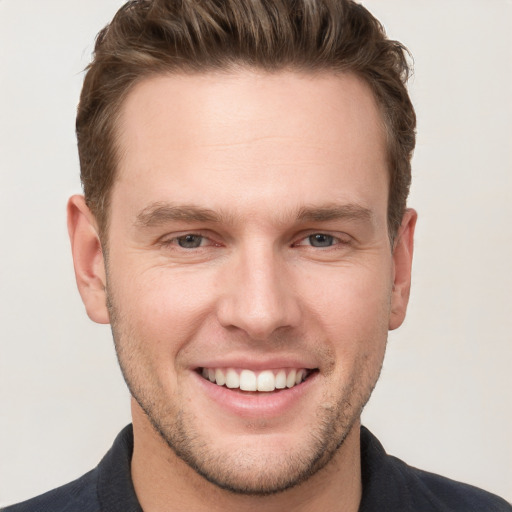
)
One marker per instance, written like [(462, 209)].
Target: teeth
[(281, 379), (232, 379), (247, 380), (266, 381), (290, 380), (220, 378)]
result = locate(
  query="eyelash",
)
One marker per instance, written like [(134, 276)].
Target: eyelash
[(334, 241), (176, 241)]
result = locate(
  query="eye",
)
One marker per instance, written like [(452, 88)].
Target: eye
[(324, 241), (190, 241), (321, 240)]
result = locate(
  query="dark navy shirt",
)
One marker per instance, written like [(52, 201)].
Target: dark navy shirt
[(389, 485)]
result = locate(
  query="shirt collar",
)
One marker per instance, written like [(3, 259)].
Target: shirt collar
[(115, 486), (379, 477)]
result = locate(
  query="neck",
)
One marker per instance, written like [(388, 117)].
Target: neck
[(161, 478)]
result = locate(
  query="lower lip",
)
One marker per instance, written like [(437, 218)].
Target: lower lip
[(257, 404)]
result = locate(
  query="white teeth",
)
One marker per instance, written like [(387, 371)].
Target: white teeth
[(281, 379), (290, 380), (247, 380), (220, 378), (266, 381), (232, 379)]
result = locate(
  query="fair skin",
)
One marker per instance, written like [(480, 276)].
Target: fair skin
[(248, 234)]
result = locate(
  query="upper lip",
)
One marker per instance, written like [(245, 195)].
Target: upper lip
[(255, 363)]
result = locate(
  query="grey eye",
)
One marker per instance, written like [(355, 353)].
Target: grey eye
[(190, 241), (321, 240)]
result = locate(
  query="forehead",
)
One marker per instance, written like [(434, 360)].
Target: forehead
[(217, 135)]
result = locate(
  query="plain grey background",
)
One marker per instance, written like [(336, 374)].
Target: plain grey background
[(444, 402)]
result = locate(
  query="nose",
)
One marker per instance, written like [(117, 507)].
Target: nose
[(258, 294)]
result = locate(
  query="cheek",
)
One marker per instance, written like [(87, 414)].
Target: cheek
[(160, 310), (354, 297), (350, 312)]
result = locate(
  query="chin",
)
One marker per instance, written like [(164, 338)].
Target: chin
[(259, 464)]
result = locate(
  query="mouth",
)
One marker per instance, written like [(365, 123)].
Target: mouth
[(262, 381)]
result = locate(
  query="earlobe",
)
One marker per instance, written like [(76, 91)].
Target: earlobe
[(88, 259), (402, 262)]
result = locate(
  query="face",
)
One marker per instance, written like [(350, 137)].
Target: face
[(250, 278)]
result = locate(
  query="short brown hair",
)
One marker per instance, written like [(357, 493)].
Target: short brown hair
[(148, 37)]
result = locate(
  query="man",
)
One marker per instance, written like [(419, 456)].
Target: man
[(245, 232)]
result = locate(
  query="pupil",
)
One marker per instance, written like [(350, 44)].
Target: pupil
[(320, 240), (190, 241)]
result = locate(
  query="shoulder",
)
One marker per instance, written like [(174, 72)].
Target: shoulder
[(81, 494), (448, 495), (107, 488), (389, 484)]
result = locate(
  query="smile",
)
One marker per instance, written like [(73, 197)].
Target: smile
[(247, 380)]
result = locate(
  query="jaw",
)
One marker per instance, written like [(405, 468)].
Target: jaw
[(327, 483), (253, 443)]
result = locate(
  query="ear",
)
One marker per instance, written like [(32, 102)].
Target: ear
[(402, 264), (88, 259)]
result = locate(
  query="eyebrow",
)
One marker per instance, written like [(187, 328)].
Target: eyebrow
[(160, 213), (351, 211)]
